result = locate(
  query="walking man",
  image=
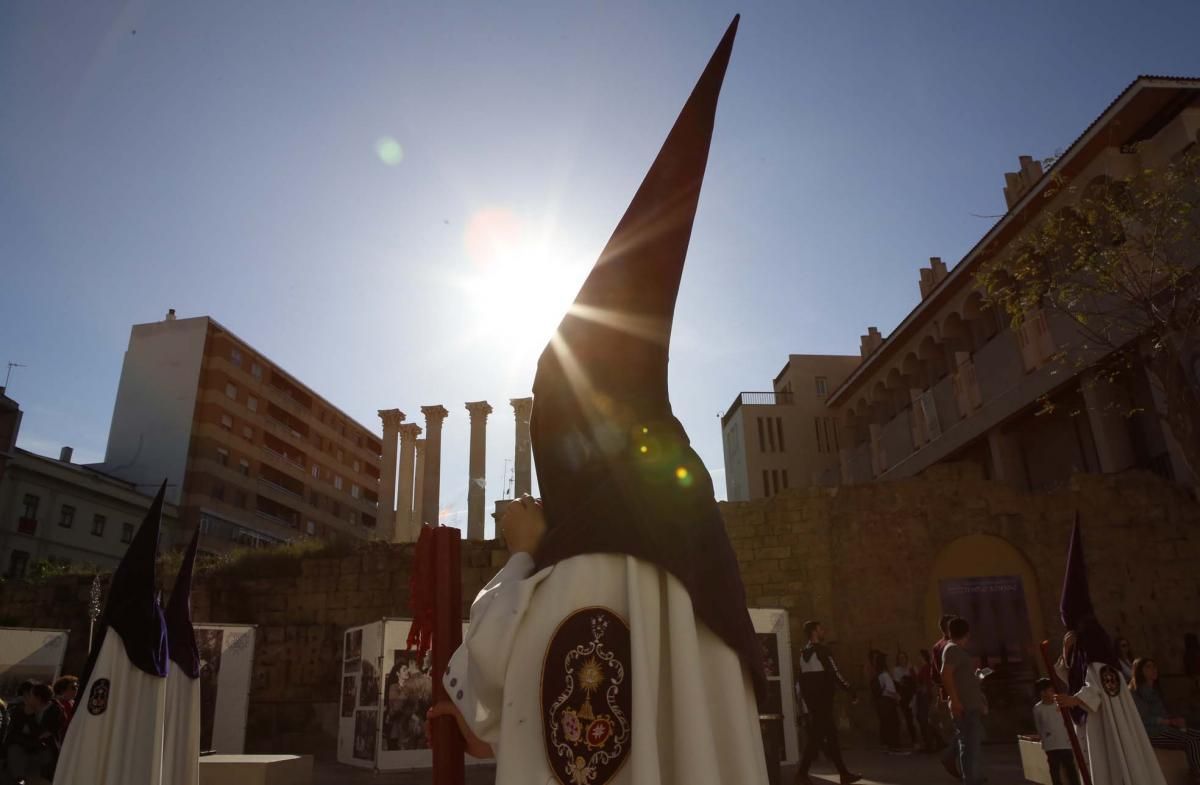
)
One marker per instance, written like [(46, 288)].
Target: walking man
[(968, 706), (819, 677)]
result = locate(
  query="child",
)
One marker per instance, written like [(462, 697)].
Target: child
[(1053, 732)]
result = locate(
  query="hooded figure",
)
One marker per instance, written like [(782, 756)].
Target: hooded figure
[(181, 738), (1111, 733), (116, 736), (618, 647)]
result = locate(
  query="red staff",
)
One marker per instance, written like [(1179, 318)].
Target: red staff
[(436, 600), (1066, 715)]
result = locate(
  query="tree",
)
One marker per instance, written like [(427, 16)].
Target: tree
[(1120, 260)]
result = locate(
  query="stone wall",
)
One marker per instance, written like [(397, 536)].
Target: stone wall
[(863, 559)]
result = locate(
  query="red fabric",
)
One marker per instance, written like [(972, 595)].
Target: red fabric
[(421, 592), (68, 711)]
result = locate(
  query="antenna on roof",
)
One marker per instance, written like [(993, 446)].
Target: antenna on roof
[(8, 375)]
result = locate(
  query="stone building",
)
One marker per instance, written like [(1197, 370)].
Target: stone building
[(956, 382), (785, 438), (252, 455)]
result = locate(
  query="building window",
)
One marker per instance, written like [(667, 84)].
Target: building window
[(256, 371), (66, 518), (762, 442), (341, 456), (205, 524), (240, 499), (227, 422), (18, 561), (311, 527), (126, 532), (771, 434), (779, 431), (235, 355), (30, 506), (222, 456), (244, 467), (248, 432), (337, 481), (316, 472), (231, 391), (218, 491), (357, 466), (354, 490), (252, 403), (775, 480), (98, 522), (822, 387), (785, 480), (337, 510), (766, 483)]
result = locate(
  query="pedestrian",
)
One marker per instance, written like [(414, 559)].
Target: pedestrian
[(32, 743), (905, 678), (1125, 657), (887, 705), (926, 696), (819, 681), (1052, 732), (1166, 731), (968, 706), (66, 688)]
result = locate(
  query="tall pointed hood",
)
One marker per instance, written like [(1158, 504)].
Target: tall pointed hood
[(1092, 642), (132, 609), (616, 469), (180, 633)]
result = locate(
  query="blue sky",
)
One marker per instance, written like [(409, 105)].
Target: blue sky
[(224, 158)]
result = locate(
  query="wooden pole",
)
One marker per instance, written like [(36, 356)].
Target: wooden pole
[(1066, 715), (448, 762)]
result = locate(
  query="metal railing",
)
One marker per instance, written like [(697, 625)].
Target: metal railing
[(757, 399)]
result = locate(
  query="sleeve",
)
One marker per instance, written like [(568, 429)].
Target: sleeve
[(474, 679), (837, 674), (1091, 695), (1060, 670)]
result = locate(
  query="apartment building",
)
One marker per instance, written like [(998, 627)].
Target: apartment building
[(787, 437), (251, 454)]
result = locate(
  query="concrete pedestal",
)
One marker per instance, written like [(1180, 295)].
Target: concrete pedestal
[(256, 770)]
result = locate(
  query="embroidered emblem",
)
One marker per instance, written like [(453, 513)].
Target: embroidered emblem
[(1111, 681), (587, 698), (97, 701)]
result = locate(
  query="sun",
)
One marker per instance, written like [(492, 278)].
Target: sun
[(520, 282)]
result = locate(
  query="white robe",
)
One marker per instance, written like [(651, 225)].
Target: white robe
[(181, 736), (1118, 750), (693, 718), (123, 743)]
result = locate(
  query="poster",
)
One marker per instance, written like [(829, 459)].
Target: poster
[(770, 653), (29, 653), (368, 685), (364, 734), (995, 608), (353, 649), (407, 696), (226, 667), (777, 714), (349, 695)]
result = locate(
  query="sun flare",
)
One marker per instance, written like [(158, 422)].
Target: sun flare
[(520, 282)]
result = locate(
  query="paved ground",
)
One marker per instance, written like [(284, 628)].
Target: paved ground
[(1004, 766)]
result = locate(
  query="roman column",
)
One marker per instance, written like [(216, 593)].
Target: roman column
[(406, 530), (522, 407), (477, 479), (431, 504), (387, 471), (418, 487)]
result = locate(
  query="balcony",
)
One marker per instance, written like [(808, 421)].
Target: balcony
[(27, 526), (896, 439), (858, 464), (757, 399)]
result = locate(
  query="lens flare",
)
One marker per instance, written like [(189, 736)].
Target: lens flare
[(389, 151)]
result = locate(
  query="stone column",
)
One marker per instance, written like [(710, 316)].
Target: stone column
[(387, 471), (431, 504), (479, 411), (418, 487), (1106, 406), (522, 460), (406, 530)]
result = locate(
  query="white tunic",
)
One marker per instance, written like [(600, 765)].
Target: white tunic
[(1118, 750), (118, 740), (181, 736), (693, 717)]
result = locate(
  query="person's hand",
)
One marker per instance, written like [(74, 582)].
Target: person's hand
[(1067, 701), (474, 746), (523, 525)]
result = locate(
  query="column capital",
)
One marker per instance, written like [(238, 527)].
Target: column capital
[(479, 409), (434, 415), (391, 418), (522, 407), (409, 431)]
